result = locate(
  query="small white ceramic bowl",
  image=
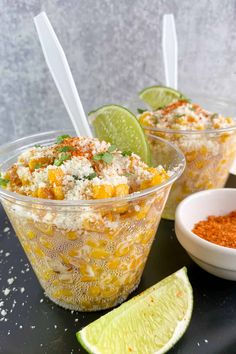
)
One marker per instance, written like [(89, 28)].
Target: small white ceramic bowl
[(215, 259)]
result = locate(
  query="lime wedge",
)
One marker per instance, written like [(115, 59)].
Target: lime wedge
[(118, 126), (159, 96), (151, 322)]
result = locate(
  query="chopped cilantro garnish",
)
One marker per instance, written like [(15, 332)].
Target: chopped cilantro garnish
[(111, 148), (60, 138), (3, 181), (89, 177), (37, 145), (140, 110), (66, 149), (126, 153), (104, 156), (63, 157)]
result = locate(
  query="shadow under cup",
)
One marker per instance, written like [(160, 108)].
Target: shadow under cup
[(88, 255)]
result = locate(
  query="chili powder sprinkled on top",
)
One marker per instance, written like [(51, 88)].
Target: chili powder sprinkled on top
[(218, 229)]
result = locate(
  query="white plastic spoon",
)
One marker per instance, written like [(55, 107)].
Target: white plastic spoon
[(170, 51), (60, 70)]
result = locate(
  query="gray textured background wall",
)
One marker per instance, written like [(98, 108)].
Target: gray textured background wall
[(114, 50)]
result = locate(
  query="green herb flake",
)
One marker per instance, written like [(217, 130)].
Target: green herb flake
[(126, 153), (104, 156), (111, 148), (60, 138), (63, 157), (91, 176), (140, 110), (66, 149), (37, 145), (107, 157), (3, 182)]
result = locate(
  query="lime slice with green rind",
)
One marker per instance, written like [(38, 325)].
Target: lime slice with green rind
[(118, 126), (159, 96), (151, 322)]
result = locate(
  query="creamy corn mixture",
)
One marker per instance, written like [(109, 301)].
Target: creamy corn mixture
[(88, 257), (209, 156), (80, 168)]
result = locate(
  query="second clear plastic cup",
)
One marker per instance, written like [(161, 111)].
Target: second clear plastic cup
[(209, 155)]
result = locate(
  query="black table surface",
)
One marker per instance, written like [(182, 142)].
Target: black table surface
[(31, 324)]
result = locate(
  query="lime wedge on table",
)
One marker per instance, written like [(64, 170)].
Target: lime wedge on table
[(116, 125), (151, 322), (159, 96)]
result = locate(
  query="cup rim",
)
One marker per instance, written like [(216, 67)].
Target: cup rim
[(8, 195), (189, 132)]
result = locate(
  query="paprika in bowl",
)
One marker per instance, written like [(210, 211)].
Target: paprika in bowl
[(209, 254)]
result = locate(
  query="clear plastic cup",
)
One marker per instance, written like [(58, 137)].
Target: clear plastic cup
[(209, 154), (88, 254)]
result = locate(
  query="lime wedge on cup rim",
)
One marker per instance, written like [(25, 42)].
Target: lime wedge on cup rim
[(118, 126), (159, 96), (151, 322)]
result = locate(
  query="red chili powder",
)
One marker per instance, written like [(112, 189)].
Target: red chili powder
[(218, 229)]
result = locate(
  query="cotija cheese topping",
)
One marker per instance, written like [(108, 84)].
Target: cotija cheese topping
[(79, 168), (182, 115)]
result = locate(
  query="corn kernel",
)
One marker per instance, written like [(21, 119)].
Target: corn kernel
[(71, 235), (103, 191), (191, 156), (47, 274), (46, 229), (73, 253), (114, 264), (58, 192), (38, 251), (122, 250), (86, 278), (41, 161), (110, 279), (31, 235), (45, 193), (46, 243), (121, 190), (96, 243), (64, 259), (99, 253), (61, 293), (94, 291), (200, 164), (55, 176)]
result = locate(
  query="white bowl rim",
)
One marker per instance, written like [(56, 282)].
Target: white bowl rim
[(192, 235)]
